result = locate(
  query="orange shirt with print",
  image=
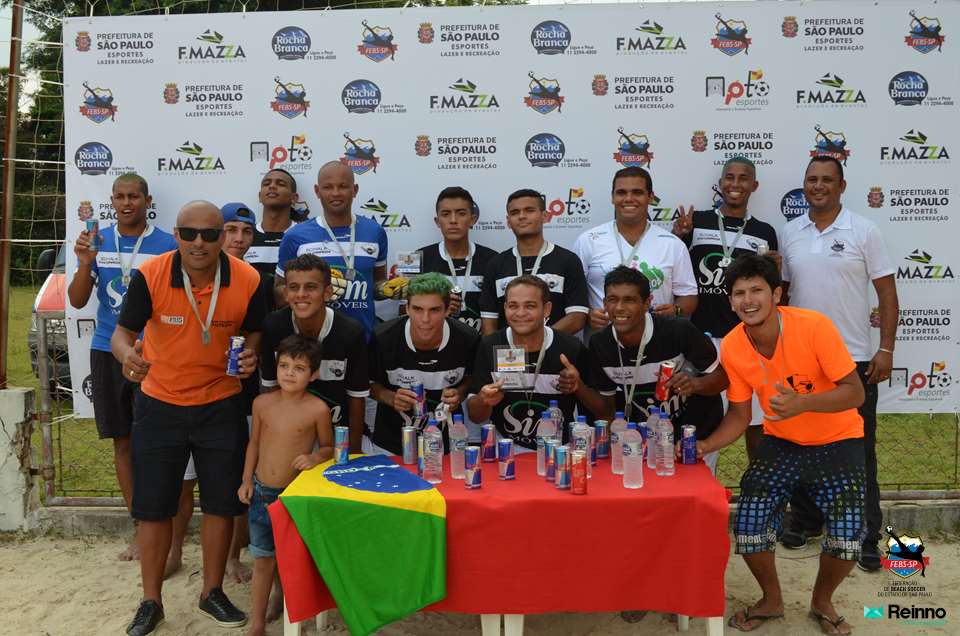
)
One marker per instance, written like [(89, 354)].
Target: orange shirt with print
[(810, 357)]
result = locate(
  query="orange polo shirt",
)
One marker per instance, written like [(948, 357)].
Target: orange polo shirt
[(810, 357), (183, 370)]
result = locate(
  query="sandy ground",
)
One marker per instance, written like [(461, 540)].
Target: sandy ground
[(76, 587)]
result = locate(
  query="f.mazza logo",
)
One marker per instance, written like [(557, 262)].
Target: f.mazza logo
[(836, 92), (653, 39), (93, 158), (922, 267), (291, 43), (213, 49), (192, 159), (916, 149), (466, 98)]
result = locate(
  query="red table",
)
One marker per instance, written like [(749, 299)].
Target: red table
[(524, 547)]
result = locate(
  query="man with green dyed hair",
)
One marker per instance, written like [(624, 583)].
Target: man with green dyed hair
[(424, 347)]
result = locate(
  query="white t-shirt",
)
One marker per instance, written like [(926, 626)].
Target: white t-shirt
[(831, 271), (661, 257)]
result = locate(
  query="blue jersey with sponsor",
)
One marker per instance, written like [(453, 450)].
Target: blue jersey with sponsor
[(109, 276), (310, 237)]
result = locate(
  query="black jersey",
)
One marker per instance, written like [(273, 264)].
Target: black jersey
[(559, 268), (395, 363), (343, 372), (263, 256), (434, 260), (675, 339), (517, 414), (713, 314)]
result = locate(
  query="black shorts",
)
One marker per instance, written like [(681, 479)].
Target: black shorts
[(163, 437), (112, 396)]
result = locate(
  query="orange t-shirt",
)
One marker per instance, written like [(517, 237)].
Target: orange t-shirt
[(810, 357)]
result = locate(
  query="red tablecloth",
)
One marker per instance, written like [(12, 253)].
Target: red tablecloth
[(524, 547)]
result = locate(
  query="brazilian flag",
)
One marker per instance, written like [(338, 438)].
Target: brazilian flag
[(377, 534)]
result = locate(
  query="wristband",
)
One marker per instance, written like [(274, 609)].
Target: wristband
[(890, 351)]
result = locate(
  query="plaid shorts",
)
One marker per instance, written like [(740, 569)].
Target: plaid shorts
[(832, 474)]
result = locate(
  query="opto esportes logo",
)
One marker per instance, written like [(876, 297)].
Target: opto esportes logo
[(465, 98), (360, 96), (572, 211), (98, 104), (545, 150), (922, 267), (213, 49), (550, 37), (377, 43), (834, 93), (290, 99), (633, 149), (544, 95), (360, 155), (377, 210), (294, 157), (191, 159), (925, 34), (291, 43), (93, 158), (750, 94), (731, 37), (652, 40), (921, 385), (915, 149), (830, 144)]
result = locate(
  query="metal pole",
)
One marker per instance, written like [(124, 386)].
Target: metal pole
[(46, 427), (9, 173)]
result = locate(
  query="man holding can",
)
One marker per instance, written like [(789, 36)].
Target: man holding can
[(188, 303)]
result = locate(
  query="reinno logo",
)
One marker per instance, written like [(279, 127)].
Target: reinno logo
[(465, 98), (191, 159), (97, 104), (905, 555), (924, 35), (917, 150), (213, 49), (633, 150), (544, 95), (360, 155), (93, 158), (652, 39), (291, 43), (360, 96), (731, 37), (830, 144), (908, 88), (377, 43), (550, 37), (291, 99), (545, 150)]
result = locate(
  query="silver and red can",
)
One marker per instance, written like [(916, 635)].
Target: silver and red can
[(473, 473), (93, 229), (408, 439), (550, 452), (661, 392), (578, 473), (562, 461), (420, 408), (601, 433), (341, 444), (233, 355), (488, 443), (688, 444), (763, 249), (507, 466)]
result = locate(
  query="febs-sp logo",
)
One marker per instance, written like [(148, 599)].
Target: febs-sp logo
[(924, 35), (633, 150), (360, 96), (731, 37), (794, 204), (550, 37), (908, 88), (291, 99), (192, 158), (97, 104), (291, 43), (360, 155), (213, 49), (544, 95), (377, 43), (905, 555), (93, 158), (830, 144), (545, 150)]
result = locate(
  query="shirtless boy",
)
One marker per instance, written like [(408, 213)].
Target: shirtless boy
[(291, 432)]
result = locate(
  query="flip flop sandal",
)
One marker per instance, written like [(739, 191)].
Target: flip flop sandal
[(817, 616), (747, 617)]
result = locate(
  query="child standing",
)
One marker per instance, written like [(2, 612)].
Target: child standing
[(291, 432)]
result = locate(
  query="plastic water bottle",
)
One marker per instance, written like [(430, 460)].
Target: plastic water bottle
[(580, 436), (433, 453), (617, 427), (652, 447), (557, 416), (632, 443), (458, 446), (665, 443), (546, 429)]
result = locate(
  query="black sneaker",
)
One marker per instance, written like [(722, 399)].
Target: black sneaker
[(149, 617), (869, 560), (633, 616), (219, 608), (797, 539)]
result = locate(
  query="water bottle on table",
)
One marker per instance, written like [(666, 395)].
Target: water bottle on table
[(557, 416), (632, 444), (580, 439), (665, 446), (618, 426), (433, 453), (458, 446), (546, 429), (653, 448)]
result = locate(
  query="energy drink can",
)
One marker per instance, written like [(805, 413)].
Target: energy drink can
[(562, 460), (420, 408), (93, 229), (472, 468), (578, 473), (421, 457), (550, 451), (408, 438), (763, 249), (488, 443), (661, 392), (688, 444), (233, 355), (341, 444), (508, 467), (601, 430)]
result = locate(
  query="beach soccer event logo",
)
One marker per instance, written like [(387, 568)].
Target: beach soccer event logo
[(734, 94), (908, 88), (633, 150), (833, 91), (374, 473), (360, 155), (98, 104), (213, 49), (545, 150), (190, 158), (290, 99), (653, 39), (293, 157), (794, 204), (379, 211), (830, 144), (923, 268), (915, 149), (550, 37), (93, 158), (465, 98), (905, 555), (731, 37), (376, 43), (925, 34), (544, 95), (360, 96), (570, 211)]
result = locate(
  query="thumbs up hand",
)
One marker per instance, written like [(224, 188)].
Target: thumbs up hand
[(135, 368), (569, 377), (786, 403)]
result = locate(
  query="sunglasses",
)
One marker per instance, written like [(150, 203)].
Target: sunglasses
[(189, 234)]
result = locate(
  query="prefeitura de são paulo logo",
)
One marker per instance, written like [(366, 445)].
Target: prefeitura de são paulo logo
[(925, 34), (360, 155), (377, 43), (291, 99), (98, 104), (830, 144), (633, 150), (731, 37), (83, 41), (425, 33), (544, 96)]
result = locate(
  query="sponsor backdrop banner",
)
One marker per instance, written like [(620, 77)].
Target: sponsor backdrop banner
[(552, 97)]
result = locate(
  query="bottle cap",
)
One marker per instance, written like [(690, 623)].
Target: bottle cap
[(618, 415), (554, 403), (432, 422), (632, 426), (582, 418), (457, 417), (545, 415)]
